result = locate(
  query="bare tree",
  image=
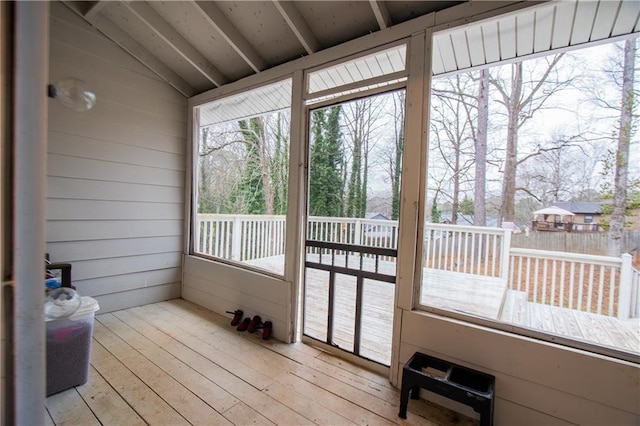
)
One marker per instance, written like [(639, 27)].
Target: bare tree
[(362, 125), (625, 131), (480, 145), (521, 105), (452, 133)]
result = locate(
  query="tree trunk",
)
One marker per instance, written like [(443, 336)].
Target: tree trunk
[(622, 157), (456, 181), (479, 190), (264, 163), (511, 161), (397, 168)]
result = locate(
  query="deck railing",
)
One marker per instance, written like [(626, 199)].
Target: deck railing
[(473, 250), (240, 237), (598, 284)]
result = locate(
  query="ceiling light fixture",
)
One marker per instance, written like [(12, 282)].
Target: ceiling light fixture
[(73, 94)]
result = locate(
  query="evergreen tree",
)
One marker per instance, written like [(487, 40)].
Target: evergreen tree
[(325, 172), (280, 167), (251, 196)]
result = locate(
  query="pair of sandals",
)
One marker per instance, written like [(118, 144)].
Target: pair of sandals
[(251, 325)]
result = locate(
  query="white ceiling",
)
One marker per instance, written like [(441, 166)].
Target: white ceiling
[(538, 29), (199, 45)]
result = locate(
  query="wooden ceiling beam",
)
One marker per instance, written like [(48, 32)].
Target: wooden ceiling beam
[(94, 9), (381, 13), (168, 34), (230, 33), (298, 25), (135, 49)]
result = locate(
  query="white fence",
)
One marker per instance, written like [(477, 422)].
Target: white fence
[(240, 237), (248, 237), (598, 284), (469, 249)]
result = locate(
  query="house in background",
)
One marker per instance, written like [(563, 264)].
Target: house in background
[(568, 217), (586, 214), (111, 190)]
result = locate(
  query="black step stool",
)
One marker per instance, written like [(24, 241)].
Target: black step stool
[(453, 381)]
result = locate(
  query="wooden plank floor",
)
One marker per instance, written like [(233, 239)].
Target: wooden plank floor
[(174, 363)]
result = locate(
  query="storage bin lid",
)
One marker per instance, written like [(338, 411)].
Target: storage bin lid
[(88, 305)]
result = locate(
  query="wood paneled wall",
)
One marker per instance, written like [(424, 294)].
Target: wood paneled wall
[(223, 288), (116, 174)]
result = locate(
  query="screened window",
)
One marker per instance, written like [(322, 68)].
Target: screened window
[(507, 143), (241, 175)]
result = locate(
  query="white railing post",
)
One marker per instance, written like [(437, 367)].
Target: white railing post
[(505, 253), (196, 245), (236, 238), (357, 233), (624, 295)]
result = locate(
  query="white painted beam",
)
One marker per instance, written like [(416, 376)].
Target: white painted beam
[(29, 107), (230, 33), (382, 13), (126, 42), (152, 19), (94, 9), (298, 25)]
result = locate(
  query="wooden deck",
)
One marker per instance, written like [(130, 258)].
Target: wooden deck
[(588, 327), (472, 294), (174, 363), (475, 295)]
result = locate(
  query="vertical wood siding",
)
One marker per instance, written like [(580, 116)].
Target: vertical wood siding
[(115, 203)]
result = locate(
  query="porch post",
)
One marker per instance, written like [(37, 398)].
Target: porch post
[(624, 295), (31, 78)]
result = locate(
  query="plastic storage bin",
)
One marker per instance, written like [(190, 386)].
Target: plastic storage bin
[(69, 347)]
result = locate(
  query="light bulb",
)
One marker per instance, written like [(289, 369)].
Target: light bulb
[(73, 94)]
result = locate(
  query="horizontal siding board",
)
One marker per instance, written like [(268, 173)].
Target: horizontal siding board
[(86, 269), (82, 168), (97, 149), (82, 189), (103, 249), (143, 296), (111, 210), (219, 305), (117, 114), (237, 299), (242, 280), (67, 27), (505, 410), (68, 230), (115, 174), (66, 121), (119, 65), (133, 281), (72, 62)]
